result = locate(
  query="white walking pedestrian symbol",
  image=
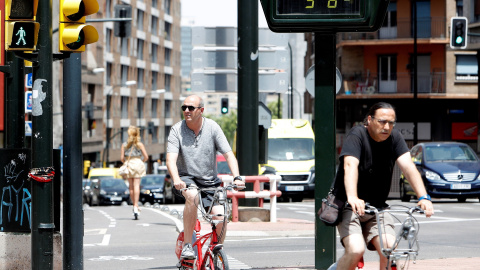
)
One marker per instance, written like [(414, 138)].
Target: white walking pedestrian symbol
[(21, 33)]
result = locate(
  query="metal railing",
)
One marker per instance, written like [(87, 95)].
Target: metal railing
[(401, 82)]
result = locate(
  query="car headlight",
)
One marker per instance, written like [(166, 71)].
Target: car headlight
[(146, 191), (103, 192), (432, 176)]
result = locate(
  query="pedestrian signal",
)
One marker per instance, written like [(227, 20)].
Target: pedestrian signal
[(74, 34), (21, 29)]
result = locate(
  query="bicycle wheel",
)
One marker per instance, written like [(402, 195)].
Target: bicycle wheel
[(216, 260)]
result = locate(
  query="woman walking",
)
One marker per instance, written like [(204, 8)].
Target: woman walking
[(133, 152)]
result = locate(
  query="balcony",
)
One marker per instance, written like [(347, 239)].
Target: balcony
[(398, 83), (428, 28)]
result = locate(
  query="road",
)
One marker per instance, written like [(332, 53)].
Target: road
[(113, 240)]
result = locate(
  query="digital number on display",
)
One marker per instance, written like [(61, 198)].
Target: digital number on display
[(317, 7)]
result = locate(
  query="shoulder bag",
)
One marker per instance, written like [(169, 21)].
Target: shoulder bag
[(331, 211)]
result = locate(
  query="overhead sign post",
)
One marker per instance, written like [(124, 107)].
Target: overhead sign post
[(325, 18)]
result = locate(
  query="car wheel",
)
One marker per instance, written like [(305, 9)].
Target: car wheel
[(404, 197), (462, 199)]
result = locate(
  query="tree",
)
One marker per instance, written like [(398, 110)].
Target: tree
[(228, 123), (273, 107)]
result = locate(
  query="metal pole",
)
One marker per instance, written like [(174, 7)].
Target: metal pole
[(247, 140), (15, 103), (42, 143), (415, 72), (290, 87), (325, 241), (72, 162)]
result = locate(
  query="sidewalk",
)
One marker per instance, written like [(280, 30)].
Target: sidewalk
[(285, 227)]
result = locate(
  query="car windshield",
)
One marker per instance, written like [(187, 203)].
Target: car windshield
[(291, 149), (152, 181), (113, 183), (452, 153)]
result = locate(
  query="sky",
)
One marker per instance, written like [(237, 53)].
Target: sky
[(214, 13)]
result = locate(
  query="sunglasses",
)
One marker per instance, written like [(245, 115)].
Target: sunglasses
[(190, 108)]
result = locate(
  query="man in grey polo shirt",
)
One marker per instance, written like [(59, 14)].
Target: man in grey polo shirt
[(191, 159)]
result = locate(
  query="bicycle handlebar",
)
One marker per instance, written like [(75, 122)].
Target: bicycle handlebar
[(372, 210)]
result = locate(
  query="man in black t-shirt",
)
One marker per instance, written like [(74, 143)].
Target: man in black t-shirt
[(366, 165)]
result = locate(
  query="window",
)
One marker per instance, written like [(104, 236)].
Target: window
[(154, 80), (167, 108), (124, 46), (155, 3), (109, 74), (389, 28), (153, 110), (140, 43), (387, 74), (140, 78), (168, 30), (108, 40), (168, 52), (140, 19), (154, 55), (140, 107), (168, 79), (155, 134), (124, 70), (154, 25), (466, 67), (124, 107), (167, 5)]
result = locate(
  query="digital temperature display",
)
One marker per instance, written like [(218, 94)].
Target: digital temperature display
[(318, 7)]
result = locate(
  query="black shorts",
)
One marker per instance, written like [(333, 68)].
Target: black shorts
[(207, 196)]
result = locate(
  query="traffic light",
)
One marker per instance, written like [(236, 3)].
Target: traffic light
[(458, 33), (21, 29), (86, 166), (74, 34), (224, 105), (123, 28)]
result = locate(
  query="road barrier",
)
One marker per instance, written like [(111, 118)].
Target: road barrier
[(273, 193)]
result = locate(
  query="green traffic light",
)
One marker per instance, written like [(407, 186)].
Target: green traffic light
[(459, 40), (224, 110)]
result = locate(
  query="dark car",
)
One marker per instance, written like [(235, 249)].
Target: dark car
[(156, 188), (448, 170), (108, 191), (85, 189)]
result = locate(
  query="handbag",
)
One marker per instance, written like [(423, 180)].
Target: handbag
[(124, 170), (332, 206), (331, 211)]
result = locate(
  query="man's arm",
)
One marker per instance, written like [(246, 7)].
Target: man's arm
[(411, 173), (173, 170), (351, 182), (233, 165)]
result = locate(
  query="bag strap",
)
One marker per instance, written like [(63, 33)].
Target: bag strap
[(129, 155)]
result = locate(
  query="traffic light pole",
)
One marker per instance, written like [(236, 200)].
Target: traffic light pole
[(42, 144), (72, 162), (325, 53), (14, 103)]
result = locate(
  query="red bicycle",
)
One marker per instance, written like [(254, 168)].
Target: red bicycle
[(214, 257)]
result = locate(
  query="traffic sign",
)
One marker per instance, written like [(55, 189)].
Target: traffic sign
[(28, 80), (28, 101), (325, 16), (28, 128)]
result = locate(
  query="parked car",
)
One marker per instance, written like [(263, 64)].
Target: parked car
[(156, 188), (85, 189), (448, 170), (107, 191)]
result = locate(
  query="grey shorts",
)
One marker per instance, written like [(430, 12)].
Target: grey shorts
[(206, 195), (366, 226)]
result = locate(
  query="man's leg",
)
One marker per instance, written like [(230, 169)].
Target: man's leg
[(189, 213), (388, 241), (354, 248), (219, 209)]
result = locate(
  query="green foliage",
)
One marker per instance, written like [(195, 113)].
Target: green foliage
[(273, 107), (228, 123)]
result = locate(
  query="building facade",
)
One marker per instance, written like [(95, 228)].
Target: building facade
[(139, 83)]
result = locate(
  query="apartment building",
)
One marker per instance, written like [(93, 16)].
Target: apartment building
[(140, 82), (379, 66)]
